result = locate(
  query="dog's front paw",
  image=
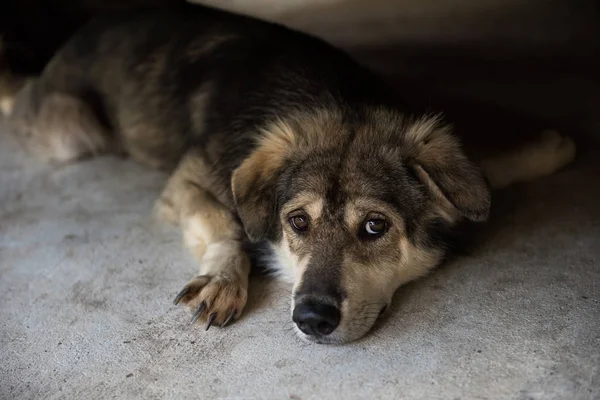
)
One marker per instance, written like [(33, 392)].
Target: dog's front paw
[(218, 300)]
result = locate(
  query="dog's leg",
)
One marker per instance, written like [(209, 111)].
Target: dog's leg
[(212, 233), (64, 128), (9, 87), (531, 161)]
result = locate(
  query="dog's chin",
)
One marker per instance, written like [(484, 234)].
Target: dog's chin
[(339, 336)]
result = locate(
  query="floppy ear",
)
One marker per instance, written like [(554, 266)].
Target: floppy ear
[(254, 185), (254, 182), (437, 159)]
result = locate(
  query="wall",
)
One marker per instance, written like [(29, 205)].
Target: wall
[(538, 57)]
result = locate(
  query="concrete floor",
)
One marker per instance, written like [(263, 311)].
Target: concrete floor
[(87, 280)]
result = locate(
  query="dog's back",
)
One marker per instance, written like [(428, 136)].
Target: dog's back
[(148, 77)]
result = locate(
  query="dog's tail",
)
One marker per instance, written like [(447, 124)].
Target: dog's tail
[(10, 83)]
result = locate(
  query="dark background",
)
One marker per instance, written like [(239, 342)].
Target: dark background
[(505, 67)]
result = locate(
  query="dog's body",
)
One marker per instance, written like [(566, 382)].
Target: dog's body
[(272, 136)]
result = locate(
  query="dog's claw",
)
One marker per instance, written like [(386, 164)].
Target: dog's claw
[(213, 299), (211, 319), (181, 295), (228, 320), (198, 312)]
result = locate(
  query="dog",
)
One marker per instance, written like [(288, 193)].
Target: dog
[(274, 139)]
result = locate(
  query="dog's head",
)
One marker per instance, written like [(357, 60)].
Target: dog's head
[(354, 209)]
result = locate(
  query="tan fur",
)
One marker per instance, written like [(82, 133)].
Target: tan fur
[(10, 85), (64, 130), (445, 207), (269, 155), (6, 105), (296, 262), (375, 283), (312, 203), (416, 262), (291, 264), (531, 161), (222, 284), (213, 235), (373, 278), (144, 154), (300, 132), (283, 138)]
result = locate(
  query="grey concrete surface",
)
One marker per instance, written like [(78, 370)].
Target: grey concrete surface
[(87, 279)]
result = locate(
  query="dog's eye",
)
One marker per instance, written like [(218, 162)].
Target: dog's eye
[(299, 223), (374, 228)]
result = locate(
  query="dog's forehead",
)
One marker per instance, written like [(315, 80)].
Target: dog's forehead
[(340, 179), (310, 173)]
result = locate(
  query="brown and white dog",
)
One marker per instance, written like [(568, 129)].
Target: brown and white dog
[(273, 137)]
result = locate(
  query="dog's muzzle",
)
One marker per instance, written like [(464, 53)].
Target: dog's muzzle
[(316, 317)]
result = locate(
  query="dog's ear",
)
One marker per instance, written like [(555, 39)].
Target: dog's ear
[(254, 184), (436, 158)]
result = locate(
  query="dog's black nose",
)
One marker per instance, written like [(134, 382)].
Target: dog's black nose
[(316, 318)]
